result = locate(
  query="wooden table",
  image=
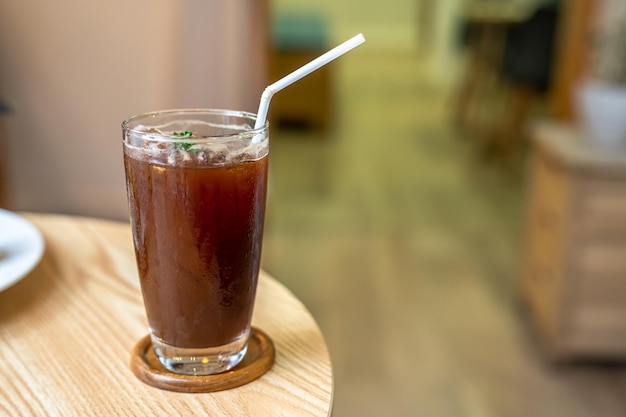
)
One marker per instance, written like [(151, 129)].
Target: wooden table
[(67, 330)]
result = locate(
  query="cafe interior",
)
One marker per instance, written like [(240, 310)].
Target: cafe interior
[(448, 200)]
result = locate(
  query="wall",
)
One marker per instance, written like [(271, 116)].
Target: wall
[(74, 69)]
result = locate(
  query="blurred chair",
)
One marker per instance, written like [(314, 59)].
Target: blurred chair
[(527, 68), (484, 24), (512, 43)]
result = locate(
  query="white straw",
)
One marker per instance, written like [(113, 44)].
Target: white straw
[(301, 73)]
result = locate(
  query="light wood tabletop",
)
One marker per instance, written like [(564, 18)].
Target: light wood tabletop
[(67, 330)]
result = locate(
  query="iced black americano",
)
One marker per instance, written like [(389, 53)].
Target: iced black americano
[(197, 209)]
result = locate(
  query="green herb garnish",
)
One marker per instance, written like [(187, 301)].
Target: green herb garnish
[(184, 145)]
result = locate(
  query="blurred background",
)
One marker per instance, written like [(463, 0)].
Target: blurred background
[(448, 199)]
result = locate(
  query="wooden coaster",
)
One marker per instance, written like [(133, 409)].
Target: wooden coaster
[(258, 360)]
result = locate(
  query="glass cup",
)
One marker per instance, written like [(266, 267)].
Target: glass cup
[(196, 182)]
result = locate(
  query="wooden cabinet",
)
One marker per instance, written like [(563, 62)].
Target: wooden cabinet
[(297, 39), (574, 262)]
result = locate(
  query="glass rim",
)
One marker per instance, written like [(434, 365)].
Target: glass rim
[(159, 137)]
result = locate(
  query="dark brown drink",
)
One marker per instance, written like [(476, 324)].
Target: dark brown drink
[(198, 235), (197, 209)]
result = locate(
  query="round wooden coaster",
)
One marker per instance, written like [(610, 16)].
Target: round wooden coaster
[(258, 360)]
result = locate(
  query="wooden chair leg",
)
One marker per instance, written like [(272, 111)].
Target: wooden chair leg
[(485, 55), (511, 131)]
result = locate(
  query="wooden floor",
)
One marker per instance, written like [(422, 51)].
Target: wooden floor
[(405, 246)]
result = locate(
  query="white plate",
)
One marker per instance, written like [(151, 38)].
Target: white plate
[(21, 248)]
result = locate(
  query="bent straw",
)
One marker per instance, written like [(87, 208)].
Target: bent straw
[(301, 73)]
